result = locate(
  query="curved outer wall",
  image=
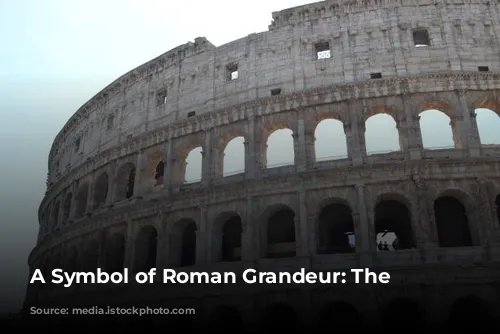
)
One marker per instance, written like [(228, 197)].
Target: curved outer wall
[(142, 118)]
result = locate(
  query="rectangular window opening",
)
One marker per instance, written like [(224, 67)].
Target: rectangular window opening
[(421, 38), (191, 113), (232, 72), (375, 75), (322, 50), (161, 97), (276, 91), (483, 69)]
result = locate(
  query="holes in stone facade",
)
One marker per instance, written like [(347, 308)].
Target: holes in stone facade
[(234, 157), (115, 253), (125, 181), (161, 97), (281, 234), (336, 230), (421, 38), (280, 149), (375, 75), (452, 223), (381, 134), (322, 50), (146, 249), (193, 166), (330, 140), (483, 68), (436, 130), (393, 226), (488, 123), (78, 144), (159, 173), (276, 91), (231, 240), (191, 114), (232, 72), (101, 190)]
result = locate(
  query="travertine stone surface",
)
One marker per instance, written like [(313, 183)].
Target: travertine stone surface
[(142, 118)]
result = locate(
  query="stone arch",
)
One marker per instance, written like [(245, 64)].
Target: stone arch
[(452, 220), (81, 201), (381, 131), (393, 223), (146, 245), (101, 186), (467, 313), (225, 319), (67, 208), (437, 125), (183, 243), (125, 182), (278, 146), (336, 229), (340, 315), (193, 165), (488, 123), (279, 318), (330, 142), (278, 232), (115, 252), (226, 237), (91, 256), (233, 156), (406, 311), (71, 260)]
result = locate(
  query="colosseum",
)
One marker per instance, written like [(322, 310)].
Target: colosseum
[(120, 193)]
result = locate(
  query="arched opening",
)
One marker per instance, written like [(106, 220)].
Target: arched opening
[(101, 190), (194, 164), (404, 311), (281, 234), (81, 201), (341, 316), (231, 239), (497, 204), (467, 314), (146, 244), (67, 207), (336, 230), (225, 319), (55, 216), (452, 223), (71, 265), (488, 123), (381, 134), (436, 130), (91, 257), (125, 182), (330, 140), (159, 173), (115, 253), (280, 149), (234, 157), (280, 318), (183, 243), (393, 226)]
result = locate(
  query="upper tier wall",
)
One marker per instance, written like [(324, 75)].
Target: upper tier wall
[(364, 37)]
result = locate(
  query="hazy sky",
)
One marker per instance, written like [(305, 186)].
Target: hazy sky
[(55, 55)]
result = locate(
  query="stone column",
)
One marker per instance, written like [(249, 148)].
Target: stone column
[(167, 175), (249, 244), (355, 136), (90, 194), (103, 248), (250, 149), (111, 184), (414, 135), (162, 260), (201, 237), (303, 229), (130, 247), (207, 152), (300, 148), (486, 227), (469, 134), (140, 166), (366, 241)]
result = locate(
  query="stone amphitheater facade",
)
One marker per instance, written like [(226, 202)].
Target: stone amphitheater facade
[(116, 195)]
